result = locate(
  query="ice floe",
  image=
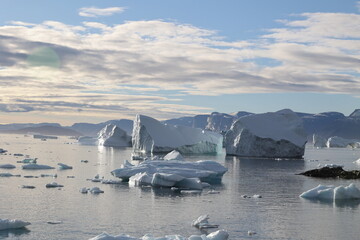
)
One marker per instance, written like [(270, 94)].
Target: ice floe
[(53, 185), (322, 192), (12, 224), (9, 175), (202, 222), (63, 166), (7, 166), (34, 166)]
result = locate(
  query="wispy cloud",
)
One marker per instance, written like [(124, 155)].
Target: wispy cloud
[(150, 66), (99, 12)]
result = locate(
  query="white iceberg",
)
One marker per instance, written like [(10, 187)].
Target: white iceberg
[(322, 192), (275, 135), (85, 140), (203, 223), (173, 155), (7, 166), (339, 142), (34, 166), (206, 171), (12, 224), (218, 235), (151, 136), (113, 136), (53, 185), (319, 141), (63, 166)]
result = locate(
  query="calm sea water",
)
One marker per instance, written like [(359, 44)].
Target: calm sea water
[(279, 214)]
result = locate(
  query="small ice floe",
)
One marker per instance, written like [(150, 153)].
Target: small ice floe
[(190, 192), (110, 181), (330, 165), (218, 235), (28, 160), (95, 179), (203, 223), (35, 166), (30, 176), (70, 176), (256, 196), (8, 175), (12, 224), (3, 150), (49, 175), (63, 166), (18, 154), (84, 190), (7, 166), (54, 222), (322, 192), (251, 233), (95, 190), (174, 155), (53, 185), (27, 186), (212, 191), (84, 161)]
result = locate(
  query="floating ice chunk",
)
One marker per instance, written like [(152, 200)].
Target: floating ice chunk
[(165, 180), (34, 166), (84, 190), (12, 224), (8, 175), (218, 235), (54, 222), (28, 186), (190, 192), (3, 150), (105, 236), (53, 185), (63, 166), (49, 175), (251, 233), (96, 178), (110, 181), (84, 161), (7, 166), (322, 192), (202, 222), (212, 191), (96, 190), (18, 154), (28, 160), (174, 155), (140, 179)]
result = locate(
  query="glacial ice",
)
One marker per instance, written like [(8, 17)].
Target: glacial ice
[(322, 192), (7, 166), (339, 142), (12, 224), (203, 223), (275, 134), (150, 135), (63, 166), (206, 171), (113, 136), (34, 166), (218, 235), (173, 155)]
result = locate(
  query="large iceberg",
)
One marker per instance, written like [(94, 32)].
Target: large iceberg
[(218, 235), (150, 135), (113, 136), (339, 142), (173, 171), (322, 192), (274, 134), (12, 224)]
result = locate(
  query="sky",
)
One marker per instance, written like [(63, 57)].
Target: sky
[(95, 60)]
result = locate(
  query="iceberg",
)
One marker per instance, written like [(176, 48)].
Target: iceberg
[(218, 235), (34, 166), (270, 135), (205, 170), (7, 166), (12, 224), (113, 136), (53, 185), (151, 136), (322, 192), (85, 140), (95, 190), (203, 223), (339, 142), (173, 155), (318, 141), (63, 166)]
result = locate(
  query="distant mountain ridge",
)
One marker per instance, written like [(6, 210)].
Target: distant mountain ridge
[(46, 130)]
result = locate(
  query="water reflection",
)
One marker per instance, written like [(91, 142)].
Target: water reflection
[(340, 203)]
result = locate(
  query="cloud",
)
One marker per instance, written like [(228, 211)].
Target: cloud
[(151, 66), (99, 12)]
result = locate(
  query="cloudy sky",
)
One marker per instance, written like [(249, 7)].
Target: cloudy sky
[(95, 60)]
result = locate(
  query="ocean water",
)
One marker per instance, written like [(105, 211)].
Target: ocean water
[(279, 214)]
